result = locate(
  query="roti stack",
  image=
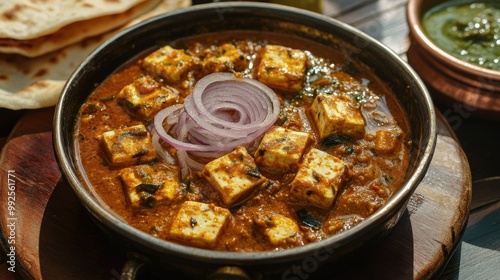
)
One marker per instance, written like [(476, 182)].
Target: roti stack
[(42, 42)]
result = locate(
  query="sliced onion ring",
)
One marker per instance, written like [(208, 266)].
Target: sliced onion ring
[(222, 112)]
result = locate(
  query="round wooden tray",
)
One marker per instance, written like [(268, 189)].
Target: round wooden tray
[(56, 239)]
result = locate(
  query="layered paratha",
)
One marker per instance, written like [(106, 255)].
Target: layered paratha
[(31, 83), (28, 19), (73, 32)]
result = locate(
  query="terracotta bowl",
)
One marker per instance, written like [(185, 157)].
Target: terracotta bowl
[(467, 89), (169, 258)]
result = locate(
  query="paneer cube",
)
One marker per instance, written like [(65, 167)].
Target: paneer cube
[(144, 97), (387, 141), (146, 186), (337, 115), (278, 228), (234, 175), (341, 82), (170, 64), (199, 224), (282, 149), (282, 67), (225, 58), (129, 145), (319, 178)]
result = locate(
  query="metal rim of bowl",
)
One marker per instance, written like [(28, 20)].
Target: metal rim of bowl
[(217, 257)]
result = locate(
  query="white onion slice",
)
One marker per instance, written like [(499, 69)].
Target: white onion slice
[(222, 113)]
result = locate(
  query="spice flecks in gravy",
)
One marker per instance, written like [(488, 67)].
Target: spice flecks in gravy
[(347, 164)]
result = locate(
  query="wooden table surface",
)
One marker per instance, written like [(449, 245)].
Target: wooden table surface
[(477, 256)]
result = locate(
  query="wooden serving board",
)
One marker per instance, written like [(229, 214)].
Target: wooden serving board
[(55, 238)]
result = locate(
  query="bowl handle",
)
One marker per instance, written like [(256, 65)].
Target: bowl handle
[(230, 272), (136, 261), (132, 266)]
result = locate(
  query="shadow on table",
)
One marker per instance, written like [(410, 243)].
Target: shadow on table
[(71, 246), (394, 255)]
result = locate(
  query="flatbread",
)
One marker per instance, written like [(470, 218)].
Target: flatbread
[(32, 83), (74, 32), (28, 19)]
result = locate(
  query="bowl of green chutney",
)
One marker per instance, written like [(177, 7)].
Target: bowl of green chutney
[(455, 48)]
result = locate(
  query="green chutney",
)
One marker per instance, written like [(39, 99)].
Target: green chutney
[(467, 30)]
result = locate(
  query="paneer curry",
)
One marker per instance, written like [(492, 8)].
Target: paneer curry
[(243, 141)]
